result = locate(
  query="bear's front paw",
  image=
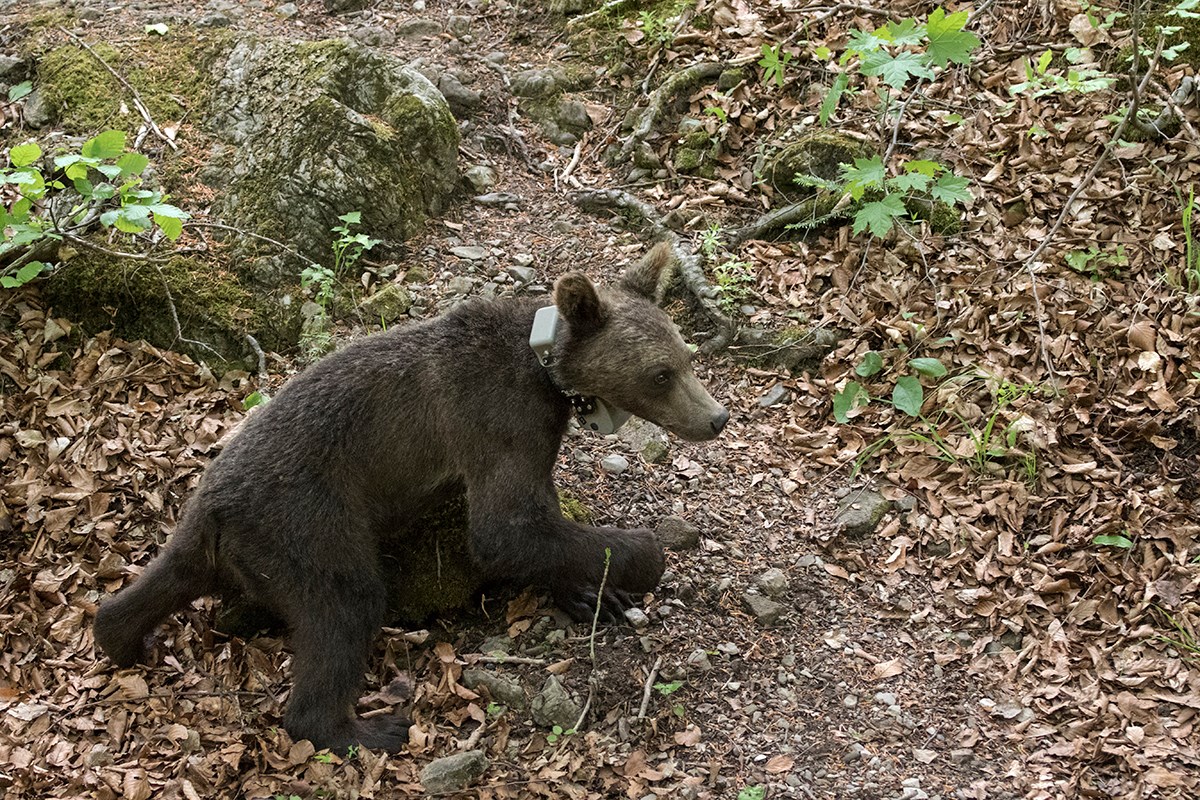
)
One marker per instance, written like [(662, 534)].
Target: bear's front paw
[(581, 604), (638, 565)]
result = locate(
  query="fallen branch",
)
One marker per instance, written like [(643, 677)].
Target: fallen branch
[(646, 689), (137, 99), (691, 268), (681, 81)]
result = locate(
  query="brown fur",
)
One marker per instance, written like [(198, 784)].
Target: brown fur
[(291, 513)]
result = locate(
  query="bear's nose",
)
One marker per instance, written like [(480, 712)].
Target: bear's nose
[(718, 421)]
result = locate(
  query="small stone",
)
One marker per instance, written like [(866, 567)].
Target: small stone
[(963, 755), (636, 617), (572, 115), (747, 310), (12, 68), (459, 25), (500, 644), (728, 648), (553, 705), (344, 6), (460, 285), (773, 583), (615, 464), (859, 513), (676, 533), (216, 19), (855, 752), (536, 83), (924, 756), (699, 659), (416, 275), (850, 701), (462, 100), (389, 304), (470, 252), (522, 275), (373, 36), (523, 259), (777, 395), (418, 28), (499, 199), (501, 688), (482, 178), (37, 112), (885, 698), (287, 10), (767, 612), (454, 773)]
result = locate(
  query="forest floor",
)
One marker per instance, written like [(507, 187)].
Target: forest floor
[(1022, 622)]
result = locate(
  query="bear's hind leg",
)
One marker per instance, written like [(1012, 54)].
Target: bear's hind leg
[(331, 634)]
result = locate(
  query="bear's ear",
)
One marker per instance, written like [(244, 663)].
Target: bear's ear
[(648, 278), (578, 302)]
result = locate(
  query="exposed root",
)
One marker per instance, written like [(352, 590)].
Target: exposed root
[(1169, 120), (682, 81), (691, 266), (808, 212)]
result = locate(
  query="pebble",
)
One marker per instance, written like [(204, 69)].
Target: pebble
[(636, 617), (522, 274), (481, 177), (699, 660), (773, 583), (470, 252), (728, 648), (776, 395), (287, 10), (503, 199), (460, 284), (850, 700), (885, 698), (615, 464)]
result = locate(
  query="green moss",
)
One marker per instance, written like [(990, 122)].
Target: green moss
[(573, 509), (99, 291), (168, 72), (815, 154), (687, 160)]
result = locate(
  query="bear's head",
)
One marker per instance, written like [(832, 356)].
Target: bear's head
[(621, 347)]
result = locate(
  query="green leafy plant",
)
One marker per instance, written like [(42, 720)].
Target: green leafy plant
[(1094, 262), (867, 178), (1113, 540), (557, 733), (495, 709), (752, 793), (734, 283), (774, 63), (1040, 81), (17, 91), (1189, 277), (711, 240), (323, 758), (657, 29), (667, 689), (319, 281), (907, 393), (102, 181), (255, 398), (348, 246)]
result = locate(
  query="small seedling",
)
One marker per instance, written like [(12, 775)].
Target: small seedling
[(774, 63), (255, 398), (557, 733), (348, 247)]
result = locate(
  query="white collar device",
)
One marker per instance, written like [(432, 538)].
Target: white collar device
[(596, 414)]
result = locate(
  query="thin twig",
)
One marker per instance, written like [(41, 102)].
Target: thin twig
[(175, 317), (70, 237), (599, 605), (649, 685), (262, 358), (251, 234), (586, 705), (137, 99), (537, 662)]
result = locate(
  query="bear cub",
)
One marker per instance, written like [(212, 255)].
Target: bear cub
[(292, 512)]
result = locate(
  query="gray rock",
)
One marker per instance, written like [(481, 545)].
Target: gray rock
[(482, 178), (885, 699), (499, 199), (537, 83), (615, 464), (37, 111), (373, 36), (522, 275), (552, 131), (459, 25), (698, 659), (418, 28), (470, 252), (287, 10), (12, 68), (454, 773), (501, 644), (463, 101), (344, 6), (676, 533), (278, 103), (460, 285), (572, 115), (501, 688), (523, 259), (859, 512), (766, 611), (648, 439), (636, 617), (389, 303), (777, 395), (747, 310), (216, 19), (554, 705), (772, 583)]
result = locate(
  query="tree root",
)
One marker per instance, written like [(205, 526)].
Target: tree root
[(807, 213), (1169, 120), (682, 81), (691, 265)]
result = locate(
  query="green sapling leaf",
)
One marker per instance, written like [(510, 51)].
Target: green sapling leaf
[(879, 215), (950, 189), (871, 364), (132, 163), (847, 400), (908, 395), (22, 89), (24, 154), (109, 144), (929, 367), (948, 42)]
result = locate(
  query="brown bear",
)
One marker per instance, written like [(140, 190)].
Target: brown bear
[(292, 512)]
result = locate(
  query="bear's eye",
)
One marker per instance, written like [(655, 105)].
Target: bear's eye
[(662, 378)]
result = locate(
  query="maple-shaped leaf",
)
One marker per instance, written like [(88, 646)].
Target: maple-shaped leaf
[(895, 69), (862, 42), (879, 214), (910, 181), (866, 173), (950, 189), (947, 39), (923, 166), (904, 32)]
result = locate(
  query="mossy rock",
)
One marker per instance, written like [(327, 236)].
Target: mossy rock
[(214, 306), (797, 348), (815, 155), (312, 130)]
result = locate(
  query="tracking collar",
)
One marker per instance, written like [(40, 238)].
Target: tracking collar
[(596, 414)]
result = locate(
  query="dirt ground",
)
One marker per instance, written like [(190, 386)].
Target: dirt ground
[(975, 643)]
